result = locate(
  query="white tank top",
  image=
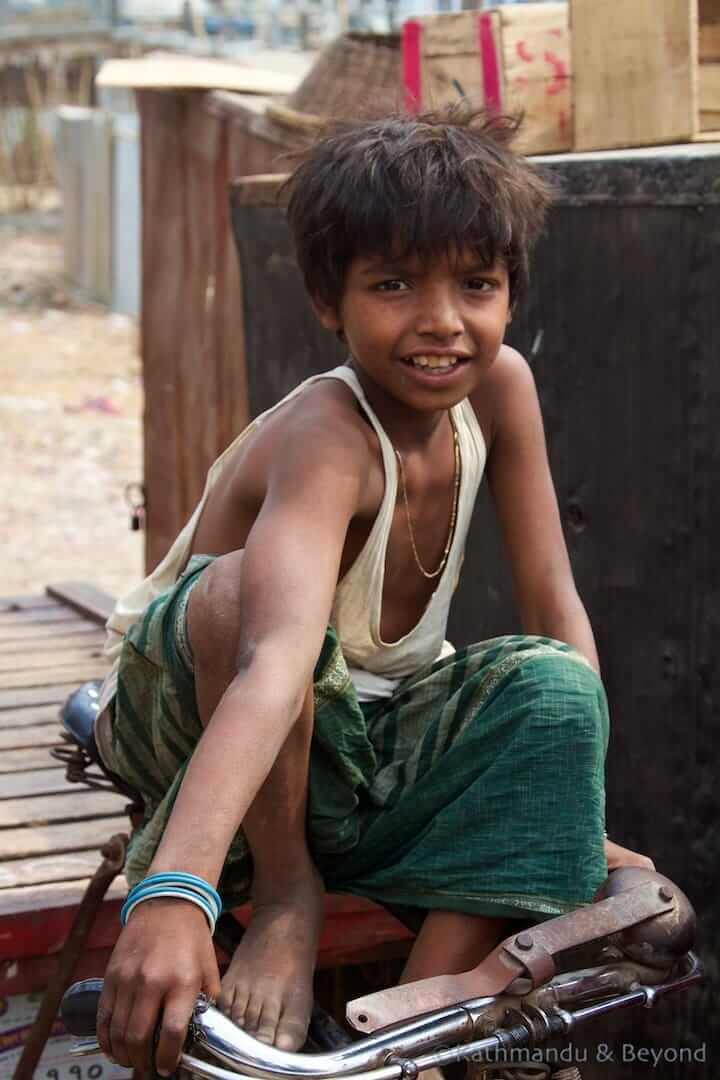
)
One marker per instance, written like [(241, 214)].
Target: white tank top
[(375, 665)]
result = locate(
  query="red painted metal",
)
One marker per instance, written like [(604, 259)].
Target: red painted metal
[(354, 928)]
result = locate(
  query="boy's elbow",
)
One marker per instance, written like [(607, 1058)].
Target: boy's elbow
[(269, 673)]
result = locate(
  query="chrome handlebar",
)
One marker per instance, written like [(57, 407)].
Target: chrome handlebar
[(435, 1039)]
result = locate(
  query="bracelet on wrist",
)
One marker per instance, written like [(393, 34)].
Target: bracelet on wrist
[(176, 885)]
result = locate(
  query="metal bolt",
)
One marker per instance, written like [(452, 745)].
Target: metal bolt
[(524, 942), (666, 894)]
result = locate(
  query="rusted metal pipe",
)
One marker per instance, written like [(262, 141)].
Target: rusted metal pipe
[(113, 853)]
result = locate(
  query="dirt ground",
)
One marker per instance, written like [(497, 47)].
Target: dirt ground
[(70, 424)]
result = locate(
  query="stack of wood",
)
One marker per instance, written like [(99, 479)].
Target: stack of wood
[(587, 75)]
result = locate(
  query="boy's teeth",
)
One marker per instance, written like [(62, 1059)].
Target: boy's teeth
[(434, 361)]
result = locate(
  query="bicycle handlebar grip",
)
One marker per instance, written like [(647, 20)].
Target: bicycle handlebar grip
[(78, 1008)]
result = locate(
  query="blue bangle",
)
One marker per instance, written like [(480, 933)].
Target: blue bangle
[(181, 877), (177, 884), (182, 880), (150, 887), (166, 890)]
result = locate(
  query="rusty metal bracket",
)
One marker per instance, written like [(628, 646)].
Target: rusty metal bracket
[(528, 957), (535, 948)]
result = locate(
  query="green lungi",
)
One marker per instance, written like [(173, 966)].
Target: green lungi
[(477, 787)]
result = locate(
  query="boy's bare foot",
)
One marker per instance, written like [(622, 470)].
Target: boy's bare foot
[(268, 987)]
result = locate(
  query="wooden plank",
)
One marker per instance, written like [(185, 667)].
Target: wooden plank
[(709, 41), (709, 134), (199, 394), (446, 78), (38, 870), (74, 673), (53, 693), (164, 313), (89, 601), (53, 631), (27, 758), (33, 715), (9, 604), (57, 613), (28, 659), (35, 782), (450, 35), (17, 738), (536, 75), (196, 73), (34, 898), (74, 803), (58, 839), (90, 639), (635, 72), (710, 88)]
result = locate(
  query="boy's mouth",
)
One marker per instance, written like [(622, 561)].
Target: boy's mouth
[(433, 362)]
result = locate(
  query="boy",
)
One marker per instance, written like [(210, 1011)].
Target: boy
[(285, 699)]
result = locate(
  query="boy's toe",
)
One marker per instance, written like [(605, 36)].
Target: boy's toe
[(292, 1028), (253, 1012), (268, 1026)]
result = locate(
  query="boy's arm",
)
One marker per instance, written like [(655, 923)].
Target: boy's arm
[(290, 569), (524, 495)]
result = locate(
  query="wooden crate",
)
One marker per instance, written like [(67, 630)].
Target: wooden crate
[(509, 59), (645, 72)]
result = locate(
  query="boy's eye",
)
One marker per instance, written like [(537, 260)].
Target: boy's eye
[(391, 285), (479, 284)]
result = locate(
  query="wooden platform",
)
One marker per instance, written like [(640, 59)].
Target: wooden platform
[(51, 830)]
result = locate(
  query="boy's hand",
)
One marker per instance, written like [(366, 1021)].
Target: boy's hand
[(619, 856), (163, 960)]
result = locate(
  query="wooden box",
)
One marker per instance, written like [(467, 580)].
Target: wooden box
[(645, 72), (509, 59)]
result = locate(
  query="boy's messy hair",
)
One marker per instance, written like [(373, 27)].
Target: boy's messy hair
[(414, 185)]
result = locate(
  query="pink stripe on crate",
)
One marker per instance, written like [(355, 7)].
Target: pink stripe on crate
[(412, 77), (490, 67)]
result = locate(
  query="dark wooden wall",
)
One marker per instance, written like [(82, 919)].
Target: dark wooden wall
[(622, 329)]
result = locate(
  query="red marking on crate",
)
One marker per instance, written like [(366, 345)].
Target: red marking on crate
[(523, 52), (557, 64), (492, 88), (412, 74)]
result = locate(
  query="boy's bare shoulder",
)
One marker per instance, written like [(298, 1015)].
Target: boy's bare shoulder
[(319, 429), (314, 446), (324, 418), (509, 380)]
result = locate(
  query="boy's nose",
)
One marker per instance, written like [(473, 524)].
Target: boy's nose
[(439, 317)]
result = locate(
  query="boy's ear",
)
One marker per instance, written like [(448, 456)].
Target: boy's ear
[(326, 314)]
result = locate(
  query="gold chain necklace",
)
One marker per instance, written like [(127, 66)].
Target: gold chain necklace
[(453, 514)]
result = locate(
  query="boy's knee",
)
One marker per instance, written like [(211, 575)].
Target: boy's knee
[(572, 693)]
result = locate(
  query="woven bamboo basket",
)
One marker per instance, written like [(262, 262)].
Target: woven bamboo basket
[(355, 73)]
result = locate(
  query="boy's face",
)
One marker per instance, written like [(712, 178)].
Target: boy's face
[(425, 332)]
